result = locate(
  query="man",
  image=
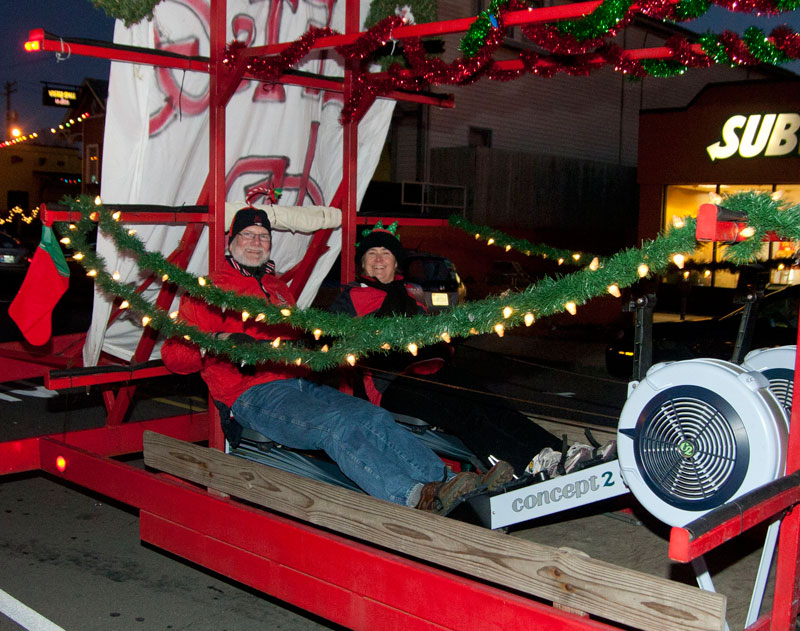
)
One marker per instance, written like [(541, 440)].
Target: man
[(385, 460)]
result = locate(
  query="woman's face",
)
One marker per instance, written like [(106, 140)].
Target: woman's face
[(379, 263)]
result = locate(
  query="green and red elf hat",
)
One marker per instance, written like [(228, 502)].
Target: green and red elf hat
[(380, 237)]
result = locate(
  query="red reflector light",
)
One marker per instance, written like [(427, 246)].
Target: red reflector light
[(31, 46), (61, 463)]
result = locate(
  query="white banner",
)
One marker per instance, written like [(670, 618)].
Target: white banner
[(156, 139)]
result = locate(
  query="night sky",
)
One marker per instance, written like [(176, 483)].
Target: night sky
[(68, 18), (79, 18)]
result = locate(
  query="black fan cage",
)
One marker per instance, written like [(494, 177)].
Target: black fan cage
[(691, 448), (781, 384)]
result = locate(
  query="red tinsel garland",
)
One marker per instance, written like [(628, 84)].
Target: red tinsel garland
[(564, 54)]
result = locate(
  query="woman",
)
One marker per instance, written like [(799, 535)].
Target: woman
[(492, 432)]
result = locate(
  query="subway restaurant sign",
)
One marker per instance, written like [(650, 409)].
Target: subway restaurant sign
[(59, 97), (757, 135)]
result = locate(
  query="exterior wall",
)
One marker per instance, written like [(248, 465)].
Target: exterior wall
[(568, 202), (36, 170), (592, 118)]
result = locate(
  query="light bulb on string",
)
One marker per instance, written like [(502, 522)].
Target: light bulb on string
[(595, 264), (351, 359), (276, 342), (445, 337), (124, 304), (500, 330), (261, 317), (245, 316), (679, 260), (490, 241), (529, 319), (747, 232), (413, 349), (507, 311), (146, 320), (317, 333), (286, 312), (571, 307), (643, 270), (173, 315), (614, 291)]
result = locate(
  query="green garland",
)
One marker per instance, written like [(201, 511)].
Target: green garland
[(762, 49), (346, 336), (691, 9), (129, 11), (604, 18), (475, 37), (507, 242)]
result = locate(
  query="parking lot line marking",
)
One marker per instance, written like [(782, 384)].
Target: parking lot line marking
[(24, 615)]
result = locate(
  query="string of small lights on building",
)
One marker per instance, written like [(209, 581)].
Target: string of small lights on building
[(19, 213), (63, 127)]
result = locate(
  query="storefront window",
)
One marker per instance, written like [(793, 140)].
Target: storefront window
[(684, 200)]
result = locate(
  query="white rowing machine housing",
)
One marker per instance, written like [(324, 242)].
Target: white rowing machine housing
[(777, 365), (696, 434)]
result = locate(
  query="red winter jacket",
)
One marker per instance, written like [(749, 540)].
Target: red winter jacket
[(226, 380)]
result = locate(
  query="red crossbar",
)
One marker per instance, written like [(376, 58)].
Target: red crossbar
[(18, 456), (345, 581)]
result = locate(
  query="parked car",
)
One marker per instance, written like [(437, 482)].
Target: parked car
[(775, 325), (438, 278), (13, 256)]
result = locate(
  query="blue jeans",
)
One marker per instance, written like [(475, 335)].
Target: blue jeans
[(381, 457)]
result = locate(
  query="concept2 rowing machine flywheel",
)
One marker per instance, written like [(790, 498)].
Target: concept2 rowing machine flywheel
[(696, 434), (777, 365)]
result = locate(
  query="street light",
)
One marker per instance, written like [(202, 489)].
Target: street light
[(16, 132)]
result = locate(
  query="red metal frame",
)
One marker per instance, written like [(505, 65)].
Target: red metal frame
[(350, 583)]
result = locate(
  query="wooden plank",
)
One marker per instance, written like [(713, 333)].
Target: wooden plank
[(562, 576)]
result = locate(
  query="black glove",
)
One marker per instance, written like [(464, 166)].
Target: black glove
[(236, 338)]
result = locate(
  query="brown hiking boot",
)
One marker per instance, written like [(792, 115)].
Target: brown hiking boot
[(439, 497), (498, 475)]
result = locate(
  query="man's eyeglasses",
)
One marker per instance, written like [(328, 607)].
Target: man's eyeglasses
[(252, 236)]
